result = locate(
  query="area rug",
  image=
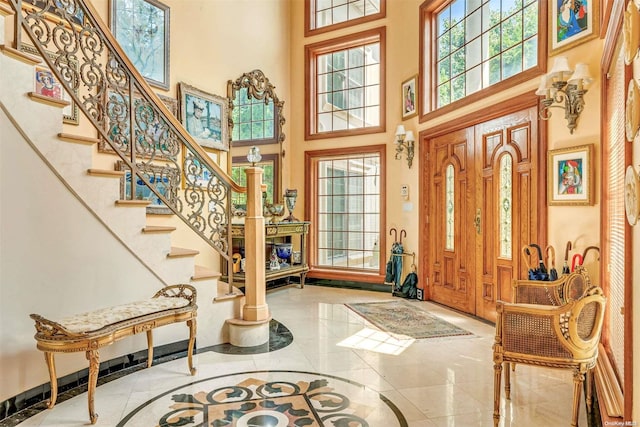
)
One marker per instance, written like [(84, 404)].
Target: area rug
[(399, 317)]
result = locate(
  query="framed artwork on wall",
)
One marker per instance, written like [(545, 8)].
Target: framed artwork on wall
[(570, 176), (204, 115), (165, 178), (409, 99), (46, 83), (142, 29), (572, 22)]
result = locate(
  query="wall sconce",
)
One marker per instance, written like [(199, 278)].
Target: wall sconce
[(404, 141), (566, 88), (254, 156)]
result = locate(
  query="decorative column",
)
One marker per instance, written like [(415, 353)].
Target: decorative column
[(253, 328)]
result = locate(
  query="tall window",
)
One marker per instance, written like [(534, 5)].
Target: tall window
[(345, 78), (506, 206), (479, 43), (348, 204), (449, 208), (333, 14)]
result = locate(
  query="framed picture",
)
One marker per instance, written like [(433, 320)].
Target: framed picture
[(166, 178), (409, 99), (117, 123), (47, 84), (142, 29), (570, 176), (572, 22), (204, 115), (203, 178)]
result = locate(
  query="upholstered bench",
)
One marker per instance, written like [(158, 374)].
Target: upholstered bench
[(92, 330)]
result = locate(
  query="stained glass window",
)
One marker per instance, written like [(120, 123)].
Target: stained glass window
[(450, 208), (506, 205)]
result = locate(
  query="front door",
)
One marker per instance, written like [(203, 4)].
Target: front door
[(483, 206)]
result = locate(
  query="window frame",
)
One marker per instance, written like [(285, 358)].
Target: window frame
[(312, 51), (310, 17), (427, 86), (311, 207)]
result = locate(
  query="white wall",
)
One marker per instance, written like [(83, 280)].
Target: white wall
[(56, 259)]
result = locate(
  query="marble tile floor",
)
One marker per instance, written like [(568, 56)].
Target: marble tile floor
[(338, 365)]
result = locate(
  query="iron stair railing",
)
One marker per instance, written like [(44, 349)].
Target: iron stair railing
[(85, 57)]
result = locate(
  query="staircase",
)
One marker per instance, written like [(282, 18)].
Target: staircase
[(72, 159)]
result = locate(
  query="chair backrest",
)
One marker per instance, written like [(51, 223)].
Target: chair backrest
[(576, 285), (585, 323)]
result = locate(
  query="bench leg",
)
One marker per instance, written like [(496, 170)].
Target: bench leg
[(192, 338), (51, 364), (149, 348), (93, 356)]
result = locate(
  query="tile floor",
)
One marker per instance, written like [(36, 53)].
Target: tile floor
[(387, 381)]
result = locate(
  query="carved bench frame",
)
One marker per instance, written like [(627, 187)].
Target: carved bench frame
[(54, 338)]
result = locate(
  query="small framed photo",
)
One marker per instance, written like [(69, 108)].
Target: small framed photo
[(204, 115), (46, 83), (148, 50), (570, 176), (572, 22), (409, 98)]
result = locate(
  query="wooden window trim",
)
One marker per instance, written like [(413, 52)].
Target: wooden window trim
[(427, 87), (311, 209), (310, 14), (312, 51)]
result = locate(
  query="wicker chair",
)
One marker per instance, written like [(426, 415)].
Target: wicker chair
[(566, 288), (563, 336)]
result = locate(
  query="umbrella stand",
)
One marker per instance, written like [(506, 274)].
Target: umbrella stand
[(526, 254)]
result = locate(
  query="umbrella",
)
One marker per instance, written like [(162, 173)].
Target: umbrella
[(542, 269), (576, 261), (553, 273), (530, 270), (565, 267), (410, 285)]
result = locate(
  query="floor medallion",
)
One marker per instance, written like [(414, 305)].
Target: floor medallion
[(268, 399)]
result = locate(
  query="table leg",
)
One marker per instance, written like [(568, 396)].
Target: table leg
[(93, 356), (192, 338), (51, 364), (149, 348)]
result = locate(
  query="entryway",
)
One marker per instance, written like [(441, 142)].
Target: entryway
[(483, 201)]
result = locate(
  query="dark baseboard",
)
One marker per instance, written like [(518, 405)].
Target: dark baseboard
[(349, 285), (109, 370)]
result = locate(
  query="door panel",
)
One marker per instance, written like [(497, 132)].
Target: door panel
[(453, 259), (495, 211)]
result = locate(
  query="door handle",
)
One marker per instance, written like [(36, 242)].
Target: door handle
[(477, 221)]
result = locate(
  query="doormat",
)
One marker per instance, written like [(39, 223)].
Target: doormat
[(399, 317)]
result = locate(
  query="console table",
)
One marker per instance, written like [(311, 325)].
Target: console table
[(279, 232)]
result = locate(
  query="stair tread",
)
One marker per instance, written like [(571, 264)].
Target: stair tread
[(61, 103), (182, 252), (21, 56), (133, 202), (223, 295), (202, 273), (78, 138), (158, 229), (105, 172), (5, 10)]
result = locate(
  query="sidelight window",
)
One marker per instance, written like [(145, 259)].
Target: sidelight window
[(506, 206)]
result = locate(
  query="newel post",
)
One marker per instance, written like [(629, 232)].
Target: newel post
[(256, 308)]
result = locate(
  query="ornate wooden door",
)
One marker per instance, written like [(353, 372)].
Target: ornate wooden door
[(483, 206), (451, 220), (508, 200)]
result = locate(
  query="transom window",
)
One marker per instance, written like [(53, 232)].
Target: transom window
[(479, 43), (347, 85), (334, 14)]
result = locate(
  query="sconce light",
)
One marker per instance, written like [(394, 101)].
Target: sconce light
[(254, 155), (566, 88), (404, 141)]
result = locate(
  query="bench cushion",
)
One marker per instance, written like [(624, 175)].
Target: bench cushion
[(98, 319)]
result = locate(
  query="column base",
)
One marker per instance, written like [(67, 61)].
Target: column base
[(247, 333)]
